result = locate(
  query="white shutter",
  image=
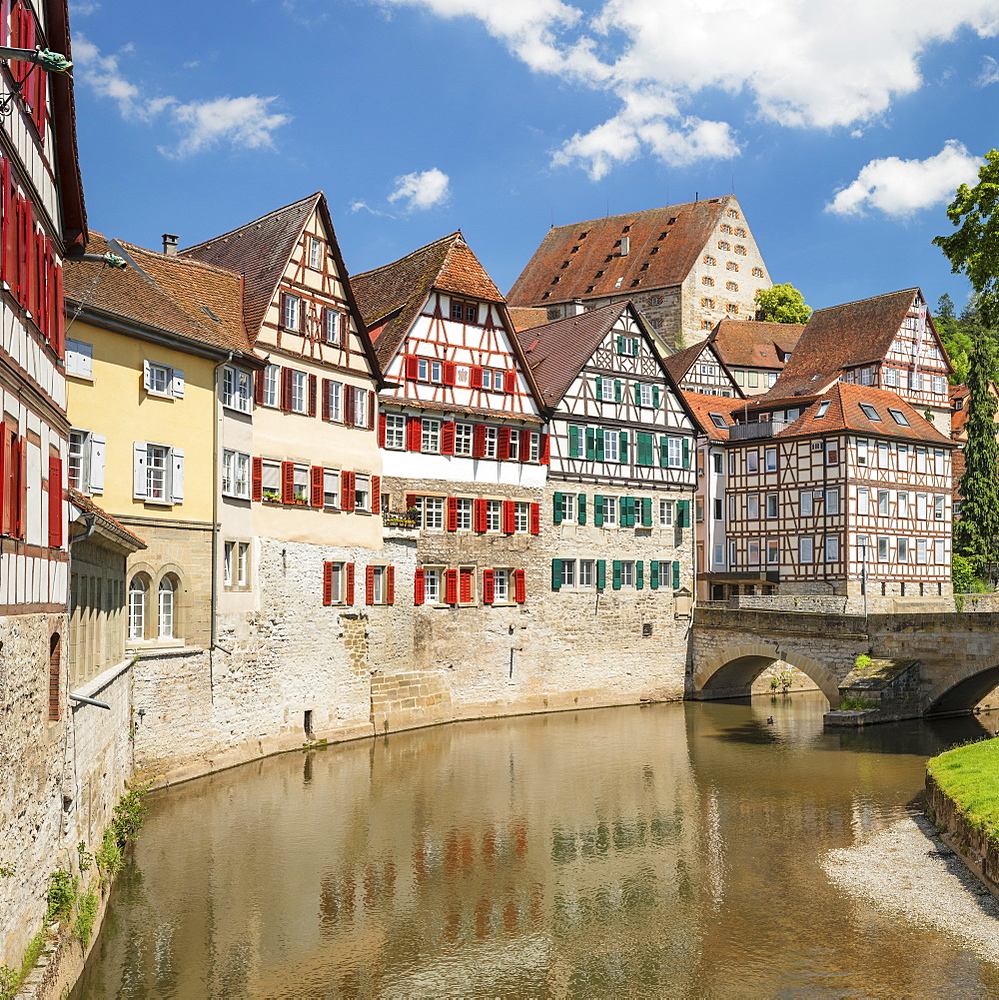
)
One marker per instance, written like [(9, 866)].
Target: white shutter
[(177, 475), (147, 375), (96, 477), (177, 382), (79, 358), (139, 461)]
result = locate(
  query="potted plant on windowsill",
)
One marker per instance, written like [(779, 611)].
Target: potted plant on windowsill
[(271, 496)]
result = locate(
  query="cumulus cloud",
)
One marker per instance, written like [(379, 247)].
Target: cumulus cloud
[(803, 63), (900, 187), (420, 191), (242, 122)]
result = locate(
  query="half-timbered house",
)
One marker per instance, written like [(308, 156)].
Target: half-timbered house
[(701, 369), (756, 352)]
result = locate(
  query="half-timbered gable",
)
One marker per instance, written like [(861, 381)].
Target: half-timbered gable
[(701, 369), (886, 342)]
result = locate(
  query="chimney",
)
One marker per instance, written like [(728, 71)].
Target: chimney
[(170, 244)]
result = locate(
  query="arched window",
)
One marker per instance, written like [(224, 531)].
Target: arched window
[(167, 592), (137, 608)]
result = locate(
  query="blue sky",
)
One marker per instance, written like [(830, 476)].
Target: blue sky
[(843, 127)]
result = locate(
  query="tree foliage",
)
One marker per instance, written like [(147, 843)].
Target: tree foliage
[(974, 248), (782, 304)]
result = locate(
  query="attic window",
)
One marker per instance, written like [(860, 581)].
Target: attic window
[(556, 279), (582, 236), (644, 267), (635, 283), (617, 284), (870, 412), (599, 274), (627, 229), (545, 296), (663, 235), (589, 288), (899, 417), (565, 264), (717, 419), (208, 312), (574, 250), (671, 221), (617, 243), (608, 258), (823, 409)]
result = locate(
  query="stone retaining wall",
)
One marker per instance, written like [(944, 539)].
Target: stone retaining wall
[(977, 849)]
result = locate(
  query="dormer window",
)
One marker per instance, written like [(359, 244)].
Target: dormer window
[(870, 412), (315, 253), (899, 417), (466, 312), (823, 409)]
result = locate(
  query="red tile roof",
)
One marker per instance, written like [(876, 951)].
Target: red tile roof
[(566, 263), (702, 406), (957, 469), (751, 344), (527, 317), (959, 417), (111, 526), (679, 363)]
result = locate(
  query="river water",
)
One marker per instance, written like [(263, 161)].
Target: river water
[(665, 850)]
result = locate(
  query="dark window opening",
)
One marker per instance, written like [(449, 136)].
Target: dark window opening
[(653, 250), (307, 723), (644, 267)]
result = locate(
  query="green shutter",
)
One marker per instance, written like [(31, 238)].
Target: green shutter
[(573, 442), (646, 512), (590, 448), (624, 446), (683, 513), (686, 453), (634, 346), (620, 345), (598, 510), (676, 576), (600, 387), (645, 449), (654, 574), (639, 575), (557, 508), (663, 451), (617, 574), (638, 394), (601, 574), (617, 390), (655, 396), (581, 508), (556, 574), (600, 444)]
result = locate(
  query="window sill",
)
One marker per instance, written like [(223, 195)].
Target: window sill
[(160, 395), (80, 377), (238, 409), (156, 503)]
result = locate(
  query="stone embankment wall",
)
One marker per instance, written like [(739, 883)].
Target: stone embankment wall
[(977, 849)]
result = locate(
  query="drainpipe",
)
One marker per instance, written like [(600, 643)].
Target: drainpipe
[(216, 434)]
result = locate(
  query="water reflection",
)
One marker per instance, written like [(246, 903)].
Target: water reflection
[(669, 850)]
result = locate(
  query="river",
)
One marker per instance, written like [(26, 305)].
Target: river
[(664, 850)]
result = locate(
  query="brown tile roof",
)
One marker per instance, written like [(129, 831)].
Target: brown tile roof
[(752, 344), (674, 256), (168, 298), (390, 297), (959, 417), (111, 526), (957, 469), (527, 317), (702, 406), (259, 251), (843, 336), (679, 363)]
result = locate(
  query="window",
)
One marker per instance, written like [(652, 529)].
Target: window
[(806, 548), (939, 385), (882, 454), (611, 446), (568, 578), (863, 500), (627, 573), (870, 412), (466, 312), (741, 250), (731, 308), (698, 510), (708, 303), (832, 453), (899, 417), (733, 554), (335, 583), (921, 551), (891, 377), (883, 503), (773, 551), (157, 472), (903, 505), (272, 378), (494, 515), (861, 452), (430, 436), (939, 552), (771, 459), (332, 324), (920, 506), (228, 557), (938, 508), (903, 549), (270, 481), (362, 491), (433, 513), (521, 518), (710, 261), (331, 487), (463, 511), (753, 506), (707, 281), (162, 380), (299, 392), (732, 286), (666, 513), (655, 300), (674, 452), (882, 550), (137, 608), (805, 503), (237, 390), (79, 358), (832, 501), (501, 586), (463, 439), (243, 564), (609, 509), (920, 460), (754, 552), (628, 346), (491, 442), (165, 602), (568, 507), (771, 506), (360, 407), (333, 403), (235, 474), (916, 381), (432, 585), (315, 253), (757, 272), (645, 395), (395, 431), (586, 577), (832, 548), (752, 461), (290, 311), (429, 371), (718, 509), (379, 584), (86, 461), (724, 245)]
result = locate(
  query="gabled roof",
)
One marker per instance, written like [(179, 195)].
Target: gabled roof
[(566, 263), (844, 336), (754, 344), (108, 526), (703, 406), (679, 363), (527, 317)]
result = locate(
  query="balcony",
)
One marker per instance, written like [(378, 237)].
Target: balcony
[(749, 432)]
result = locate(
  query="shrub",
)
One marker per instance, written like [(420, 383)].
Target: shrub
[(86, 913), (61, 895)]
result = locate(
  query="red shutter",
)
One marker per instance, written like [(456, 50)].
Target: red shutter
[(448, 373), (4, 471), (349, 402), (381, 430), (371, 410), (59, 312), (257, 479), (369, 585), (414, 433), (325, 405), (39, 111), (347, 493), (509, 380), (451, 586), (488, 586), (412, 368), (480, 510), (525, 446), (478, 441), (545, 449), (6, 207), (535, 519), (451, 520), (287, 482), (345, 330), (313, 392), (282, 312), (327, 583), (5, 22), (22, 489), (318, 481), (447, 437), (286, 389), (509, 517), (519, 586), (55, 502), (412, 499), (503, 448), (419, 586), (476, 377), (390, 584), (350, 584), (258, 388), (376, 494), (465, 577)]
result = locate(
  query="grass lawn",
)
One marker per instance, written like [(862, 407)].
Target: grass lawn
[(970, 776)]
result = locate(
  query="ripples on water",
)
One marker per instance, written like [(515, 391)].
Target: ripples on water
[(668, 850)]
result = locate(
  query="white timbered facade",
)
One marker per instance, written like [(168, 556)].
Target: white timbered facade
[(700, 369)]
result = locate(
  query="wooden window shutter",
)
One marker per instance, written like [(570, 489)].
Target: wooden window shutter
[(646, 512), (451, 521), (326, 412), (412, 500), (451, 586), (382, 420), (581, 508), (327, 583), (371, 409), (4, 476), (591, 446), (519, 586), (258, 388), (601, 574), (663, 451), (683, 510), (509, 517), (448, 373), (479, 441), (557, 508), (503, 447), (447, 437), (488, 586), (574, 441), (599, 441), (465, 577), (390, 584), (638, 393), (676, 576), (7, 220), (686, 453), (414, 433), (624, 446), (257, 479), (412, 368), (287, 482), (476, 376), (654, 574), (345, 330), (655, 396), (617, 574), (535, 519), (598, 385), (545, 453), (313, 392), (282, 308), (55, 502), (59, 311), (639, 575), (556, 574), (617, 390), (286, 389), (525, 446), (369, 585), (318, 478), (509, 380), (349, 399), (480, 511), (347, 493), (349, 596), (376, 494), (22, 488), (598, 510), (419, 586)]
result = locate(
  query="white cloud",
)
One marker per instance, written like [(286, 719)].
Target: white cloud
[(81, 8), (421, 190), (990, 72), (242, 122), (803, 63), (901, 187)]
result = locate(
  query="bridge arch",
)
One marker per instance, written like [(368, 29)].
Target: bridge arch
[(961, 688), (730, 672)]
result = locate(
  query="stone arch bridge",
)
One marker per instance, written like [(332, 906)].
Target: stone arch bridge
[(958, 654)]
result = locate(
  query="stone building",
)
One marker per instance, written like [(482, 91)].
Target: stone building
[(685, 267)]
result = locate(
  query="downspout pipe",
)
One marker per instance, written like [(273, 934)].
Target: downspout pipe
[(215, 504)]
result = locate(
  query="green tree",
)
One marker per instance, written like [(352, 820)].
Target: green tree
[(782, 304), (974, 248), (977, 533)]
